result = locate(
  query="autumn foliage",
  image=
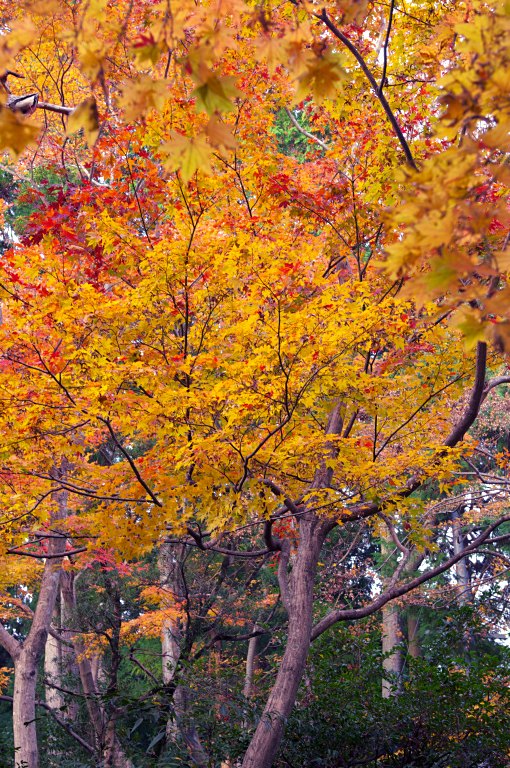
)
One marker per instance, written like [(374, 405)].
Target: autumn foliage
[(213, 344)]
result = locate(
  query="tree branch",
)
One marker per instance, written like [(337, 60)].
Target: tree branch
[(302, 130), (385, 47), (323, 16), (132, 464), (88, 747), (475, 401), (350, 614), (9, 643), (60, 109)]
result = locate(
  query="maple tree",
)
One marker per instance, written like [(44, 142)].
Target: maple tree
[(201, 333)]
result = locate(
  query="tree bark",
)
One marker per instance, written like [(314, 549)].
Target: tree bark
[(461, 569), (26, 751), (392, 651), (269, 732), (413, 640), (26, 662), (250, 663), (171, 639), (53, 666), (392, 663)]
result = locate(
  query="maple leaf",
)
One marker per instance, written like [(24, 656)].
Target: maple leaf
[(322, 78), (15, 133), (85, 117), (187, 155), (220, 134), (216, 94), (141, 94)]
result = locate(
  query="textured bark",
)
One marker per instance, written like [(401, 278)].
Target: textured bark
[(390, 623), (26, 656), (26, 754), (392, 651), (53, 667), (26, 664), (269, 732)]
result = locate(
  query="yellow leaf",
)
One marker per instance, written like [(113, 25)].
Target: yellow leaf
[(322, 78), (187, 155), (85, 117), (498, 137), (473, 329), (454, 108), (503, 260), (22, 33), (216, 94), (220, 134), (142, 94), (15, 134)]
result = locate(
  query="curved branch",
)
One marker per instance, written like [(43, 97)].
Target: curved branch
[(132, 464), (350, 614), (323, 16), (292, 117), (385, 47), (9, 643), (475, 401)]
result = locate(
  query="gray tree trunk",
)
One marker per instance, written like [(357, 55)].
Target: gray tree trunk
[(250, 663), (27, 655), (26, 660), (392, 650)]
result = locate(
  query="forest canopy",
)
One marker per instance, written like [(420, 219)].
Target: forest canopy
[(255, 319)]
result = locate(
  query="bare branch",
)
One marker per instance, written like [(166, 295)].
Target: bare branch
[(9, 643), (88, 747), (302, 130), (385, 47), (59, 108)]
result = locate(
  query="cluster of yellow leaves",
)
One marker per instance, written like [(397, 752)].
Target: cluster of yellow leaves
[(5, 678), (149, 624), (451, 228), (209, 324)]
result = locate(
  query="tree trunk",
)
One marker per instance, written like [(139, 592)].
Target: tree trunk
[(413, 640), (461, 569), (392, 652), (269, 732), (171, 638), (109, 749), (26, 753), (390, 625), (25, 667), (53, 667), (250, 663)]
